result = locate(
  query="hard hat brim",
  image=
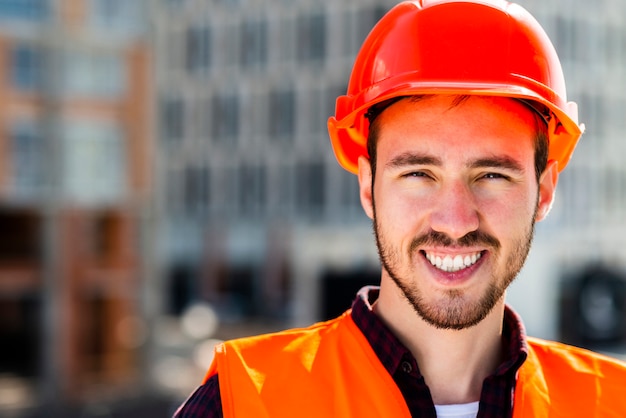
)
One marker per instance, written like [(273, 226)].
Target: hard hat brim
[(348, 131)]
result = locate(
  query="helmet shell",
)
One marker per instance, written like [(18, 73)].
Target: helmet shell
[(478, 47)]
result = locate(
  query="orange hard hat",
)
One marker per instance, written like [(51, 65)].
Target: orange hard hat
[(478, 47)]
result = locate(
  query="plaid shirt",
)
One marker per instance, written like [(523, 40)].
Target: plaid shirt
[(496, 397)]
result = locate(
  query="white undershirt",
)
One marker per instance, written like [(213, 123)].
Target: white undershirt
[(464, 410)]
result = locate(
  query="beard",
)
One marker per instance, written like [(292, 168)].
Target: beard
[(453, 310)]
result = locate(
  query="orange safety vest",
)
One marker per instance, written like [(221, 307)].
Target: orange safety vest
[(330, 370)]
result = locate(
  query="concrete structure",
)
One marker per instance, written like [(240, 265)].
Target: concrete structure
[(75, 176)]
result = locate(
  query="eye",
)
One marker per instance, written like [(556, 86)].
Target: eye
[(495, 176), (415, 174)]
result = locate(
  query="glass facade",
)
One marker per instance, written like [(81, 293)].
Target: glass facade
[(94, 162), (118, 18), (247, 102), (25, 10), (198, 49), (28, 160), (94, 73), (27, 67)]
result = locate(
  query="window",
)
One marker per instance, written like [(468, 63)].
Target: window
[(225, 118), (252, 189), (577, 195), (285, 187), (310, 188), (350, 201), (202, 117), (174, 188), (315, 121), (28, 67), (562, 39), (224, 200), (321, 105), (28, 162), (172, 119), (27, 10), (21, 334), (198, 49), (197, 190), (332, 93), (21, 232), (311, 34), (94, 163), (94, 73), (253, 43), (365, 21), (282, 114), (122, 16)]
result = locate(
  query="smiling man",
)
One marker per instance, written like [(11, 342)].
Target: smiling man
[(457, 125), (453, 202), (454, 199)]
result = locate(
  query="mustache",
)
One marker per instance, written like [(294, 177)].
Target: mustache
[(474, 238)]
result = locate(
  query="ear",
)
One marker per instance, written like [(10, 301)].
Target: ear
[(547, 188), (365, 186)]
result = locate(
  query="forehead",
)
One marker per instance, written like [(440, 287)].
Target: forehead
[(473, 124)]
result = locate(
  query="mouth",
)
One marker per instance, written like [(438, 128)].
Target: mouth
[(452, 263)]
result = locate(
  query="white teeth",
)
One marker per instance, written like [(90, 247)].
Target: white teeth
[(450, 264), (458, 262), (447, 263)]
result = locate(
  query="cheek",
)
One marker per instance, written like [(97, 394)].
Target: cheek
[(509, 215), (400, 214)]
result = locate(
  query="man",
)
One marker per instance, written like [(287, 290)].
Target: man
[(457, 126)]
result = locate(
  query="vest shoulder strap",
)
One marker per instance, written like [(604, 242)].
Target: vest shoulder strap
[(328, 369), (561, 380)]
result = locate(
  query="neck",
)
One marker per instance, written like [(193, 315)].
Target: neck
[(465, 357)]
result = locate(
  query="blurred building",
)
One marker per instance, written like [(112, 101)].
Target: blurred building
[(575, 276), (75, 175), (257, 217), (250, 211), (245, 171)]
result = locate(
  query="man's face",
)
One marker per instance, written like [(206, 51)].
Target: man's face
[(454, 202)]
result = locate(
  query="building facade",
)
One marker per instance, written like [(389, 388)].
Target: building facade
[(256, 214), (244, 90), (256, 218), (75, 178)]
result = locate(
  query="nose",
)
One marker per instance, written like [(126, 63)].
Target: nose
[(455, 211)]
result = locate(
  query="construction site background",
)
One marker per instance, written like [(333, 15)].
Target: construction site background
[(167, 182)]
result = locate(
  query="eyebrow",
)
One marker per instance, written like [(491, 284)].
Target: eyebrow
[(409, 159), (498, 162)]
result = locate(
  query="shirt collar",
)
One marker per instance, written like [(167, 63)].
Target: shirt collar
[(391, 351)]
